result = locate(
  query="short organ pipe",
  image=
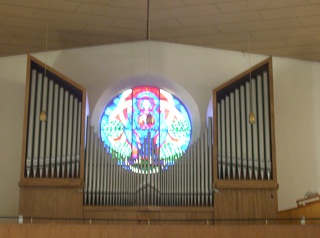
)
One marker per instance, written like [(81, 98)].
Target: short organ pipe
[(186, 183)]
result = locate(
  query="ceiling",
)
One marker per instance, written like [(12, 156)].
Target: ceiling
[(285, 28)]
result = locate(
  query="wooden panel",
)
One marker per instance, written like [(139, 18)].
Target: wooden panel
[(159, 215), (51, 202), (36, 182), (156, 231), (245, 204), (251, 184), (309, 211)]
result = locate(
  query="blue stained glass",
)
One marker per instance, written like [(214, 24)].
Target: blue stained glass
[(146, 128)]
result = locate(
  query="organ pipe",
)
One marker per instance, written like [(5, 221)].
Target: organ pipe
[(52, 145), (186, 183), (244, 149)]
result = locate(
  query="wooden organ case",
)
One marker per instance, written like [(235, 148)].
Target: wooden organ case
[(67, 172), (244, 151), (51, 181)]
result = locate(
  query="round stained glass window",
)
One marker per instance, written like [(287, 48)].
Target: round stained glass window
[(146, 129)]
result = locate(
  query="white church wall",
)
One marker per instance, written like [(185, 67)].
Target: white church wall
[(297, 102), (12, 90)]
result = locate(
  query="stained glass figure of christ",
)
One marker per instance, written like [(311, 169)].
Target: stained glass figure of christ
[(146, 128)]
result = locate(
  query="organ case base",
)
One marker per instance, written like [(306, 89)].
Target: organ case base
[(40, 201), (149, 214), (246, 204)]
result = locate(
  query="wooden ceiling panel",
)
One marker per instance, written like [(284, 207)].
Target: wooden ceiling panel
[(130, 24), (166, 4), (272, 4), (5, 39), (94, 2), (253, 45), (310, 21), (137, 5), (260, 25), (289, 52), (199, 2), (35, 43), (28, 4), (165, 24), (32, 23), (314, 48), (15, 11), (78, 38), (61, 5), (129, 35), (7, 50), (220, 19), (292, 12), (256, 5), (309, 57), (112, 11), (232, 7), (65, 5), (178, 33), (303, 41), (289, 28), (77, 18), (66, 26), (307, 32), (100, 2), (215, 39), (183, 12), (313, 1), (23, 22), (20, 31)]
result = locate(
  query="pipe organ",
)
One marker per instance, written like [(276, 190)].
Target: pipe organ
[(244, 150), (68, 172), (53, 126), (187, 183)]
